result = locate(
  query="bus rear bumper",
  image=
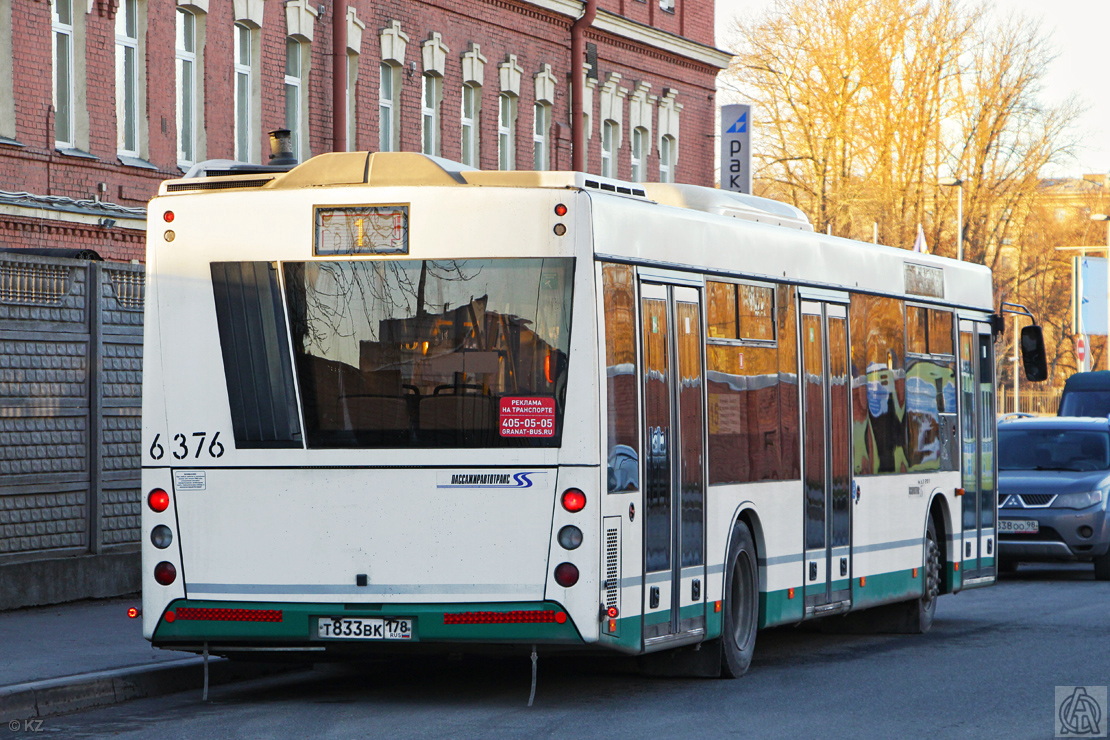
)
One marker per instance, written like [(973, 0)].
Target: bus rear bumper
[(286, 629)]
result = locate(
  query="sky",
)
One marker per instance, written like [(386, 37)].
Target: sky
[(1078, 31)]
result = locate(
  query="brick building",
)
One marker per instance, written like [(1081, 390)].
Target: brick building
[(100, 100)]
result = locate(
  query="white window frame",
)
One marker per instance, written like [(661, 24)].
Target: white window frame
[(640, 137), (667, 147), (128, 78), (431, 86), (352, 102), (296, 72), (389, 107), (470, 154), (541, 135), (506, 131), (244, 53), (187, 58), (610, 131), (62, 36), (7, 74)]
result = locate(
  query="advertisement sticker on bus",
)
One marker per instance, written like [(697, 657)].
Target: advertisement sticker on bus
[(527, 417)]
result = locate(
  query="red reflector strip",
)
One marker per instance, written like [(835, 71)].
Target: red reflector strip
[(534, 616), (230, 615)]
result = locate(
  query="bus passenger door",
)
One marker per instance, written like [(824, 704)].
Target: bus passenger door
[(827, 456), (674, 482), (977, 464)]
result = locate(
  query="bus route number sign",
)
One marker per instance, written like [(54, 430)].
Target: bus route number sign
[(362, 230), (527, 417)]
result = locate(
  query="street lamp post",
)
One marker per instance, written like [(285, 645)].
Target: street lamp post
[(955, 182), (1106, 218)]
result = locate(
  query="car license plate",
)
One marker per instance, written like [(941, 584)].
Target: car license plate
[(1018, 526), (364, 628)]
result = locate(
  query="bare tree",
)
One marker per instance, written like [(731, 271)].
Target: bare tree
[(862, 106)]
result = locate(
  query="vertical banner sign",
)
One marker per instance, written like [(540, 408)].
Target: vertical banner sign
[(736, 148), (1092, 295)]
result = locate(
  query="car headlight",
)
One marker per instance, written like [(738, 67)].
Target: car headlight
[(1077, 500)]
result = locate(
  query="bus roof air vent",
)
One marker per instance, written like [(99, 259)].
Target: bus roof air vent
[(728, 203)]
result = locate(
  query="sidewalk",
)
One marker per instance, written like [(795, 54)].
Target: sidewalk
[(66, 657)]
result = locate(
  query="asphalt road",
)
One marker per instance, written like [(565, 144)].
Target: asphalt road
[(988, 669)]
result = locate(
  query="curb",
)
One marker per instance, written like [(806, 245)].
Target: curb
[(37, 699)]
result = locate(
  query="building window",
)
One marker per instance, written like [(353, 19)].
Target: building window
[(188, 87), (7, 74), (608, 144), (244, 92), (388, 108), (429, 114), (63, 31), (295, 120), (506, 131), (471, 97), (666, 158), (352, 106), (127, 78), (541, 150), (640, 138)]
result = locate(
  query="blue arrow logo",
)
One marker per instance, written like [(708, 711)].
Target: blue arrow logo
[(741, 125)]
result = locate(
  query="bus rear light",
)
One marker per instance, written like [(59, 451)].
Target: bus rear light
[(199, 614), (612, 626), (560, 210), (165, 573), (574, 500), (612, 612), (161, 537), (566, 574), (133, 612), (170, 616), (158, 500), (570, 537), (520, 616), (168, 217)]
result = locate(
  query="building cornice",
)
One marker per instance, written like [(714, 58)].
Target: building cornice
[(616, 25)]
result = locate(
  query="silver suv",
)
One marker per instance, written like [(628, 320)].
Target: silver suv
[(1053, 488)]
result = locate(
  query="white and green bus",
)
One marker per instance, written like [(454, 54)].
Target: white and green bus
[(391, 403)]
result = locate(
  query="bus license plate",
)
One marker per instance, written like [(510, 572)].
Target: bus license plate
[(363, 628), (1018, 526)]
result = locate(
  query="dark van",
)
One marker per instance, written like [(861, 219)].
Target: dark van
[(1086, 394)]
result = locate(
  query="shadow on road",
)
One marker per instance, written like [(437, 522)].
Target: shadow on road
[(1051, 572)]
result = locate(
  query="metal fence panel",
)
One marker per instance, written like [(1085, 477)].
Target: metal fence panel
[(70, 378)]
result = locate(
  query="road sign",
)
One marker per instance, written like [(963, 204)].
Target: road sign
[(1081, 348)]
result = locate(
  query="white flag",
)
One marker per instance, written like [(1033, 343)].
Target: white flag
[(919, 243)]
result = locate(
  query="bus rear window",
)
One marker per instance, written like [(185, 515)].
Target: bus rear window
[(431, 353)]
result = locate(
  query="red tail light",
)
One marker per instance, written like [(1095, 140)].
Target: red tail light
[(574, 500), (158, 500), (566, 574), (165, 573)]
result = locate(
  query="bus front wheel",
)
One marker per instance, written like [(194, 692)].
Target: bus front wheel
[(741, 607)]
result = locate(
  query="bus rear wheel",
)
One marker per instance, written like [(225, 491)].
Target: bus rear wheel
[(741, 607), (916, 616)]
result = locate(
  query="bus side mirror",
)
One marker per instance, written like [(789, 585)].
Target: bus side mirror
[(1033, 357)]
